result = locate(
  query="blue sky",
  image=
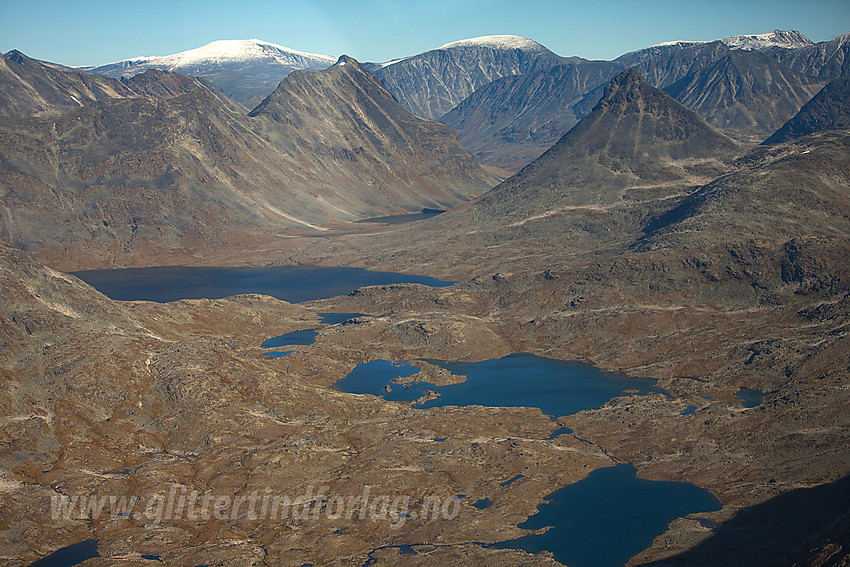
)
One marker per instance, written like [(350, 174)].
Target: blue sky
[(95, 32)]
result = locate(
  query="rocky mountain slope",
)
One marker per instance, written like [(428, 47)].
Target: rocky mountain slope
[(746, 94), (644, 241), (511, 121), (432, 83), (625, 162), (828, 110), (400, 162), (246, 70), (635, 136), (134, 179)]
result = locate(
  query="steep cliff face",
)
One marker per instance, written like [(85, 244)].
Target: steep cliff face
[(513, 120), (828, 110), (825, 60), (672, 65), (746, 94), (432, 83)]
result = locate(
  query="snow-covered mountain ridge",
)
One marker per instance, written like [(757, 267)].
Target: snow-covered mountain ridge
[(790, 39), (246, 69), (496, 42)]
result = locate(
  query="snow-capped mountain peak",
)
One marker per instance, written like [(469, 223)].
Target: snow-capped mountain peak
[(497, 42), (677, 43), (262, 63), (238, 50), (790, 39)]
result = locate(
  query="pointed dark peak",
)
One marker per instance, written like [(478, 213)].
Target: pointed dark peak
[(626, 89), (626, 79), (344, 66), (346, 60), (622, 85), (346, 70), (17, 57), (635, 134), (633, 116), (628, 93)]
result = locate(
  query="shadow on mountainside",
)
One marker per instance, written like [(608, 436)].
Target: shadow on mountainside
[(807, 526)]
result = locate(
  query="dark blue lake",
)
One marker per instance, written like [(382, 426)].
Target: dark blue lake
[(302, 337), (290, 283), (750, 398), (556, 387), (402, 219), (606, 518), (70, 555)]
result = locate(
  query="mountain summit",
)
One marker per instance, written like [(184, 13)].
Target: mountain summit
[(777, 39), (636, 135), (241, 68), (343, 113), (497, 42), (791, 39)]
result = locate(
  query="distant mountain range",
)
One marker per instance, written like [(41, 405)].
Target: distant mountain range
[(644, 240), (510, 98), (777, 38), (747, 85)]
